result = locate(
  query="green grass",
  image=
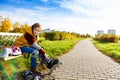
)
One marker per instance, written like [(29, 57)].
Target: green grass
[(53, 48), (0, 51), (56, 48), (110, 49)]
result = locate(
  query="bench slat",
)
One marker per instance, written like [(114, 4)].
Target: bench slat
[(8, 58)]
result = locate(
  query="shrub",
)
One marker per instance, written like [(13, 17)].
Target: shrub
[(58, 35), (107, 38)]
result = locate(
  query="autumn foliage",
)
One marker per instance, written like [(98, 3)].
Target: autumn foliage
[(106, 38), (56, 35), (6, 26)]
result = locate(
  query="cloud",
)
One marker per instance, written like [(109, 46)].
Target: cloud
[(44, 0), (23, 15), (105, 14), (100, 15), (44, 8), (22, 2), (87, 7)]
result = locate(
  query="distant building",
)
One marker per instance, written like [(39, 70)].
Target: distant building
[(100, 32), (111, 31), (46, 30)]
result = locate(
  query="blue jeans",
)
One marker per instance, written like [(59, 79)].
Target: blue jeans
[(30, 50)]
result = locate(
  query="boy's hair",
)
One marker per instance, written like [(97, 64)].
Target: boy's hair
[(36, 25)]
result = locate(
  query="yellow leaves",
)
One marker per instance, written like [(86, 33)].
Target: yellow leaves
[(23, 27), (16, 27), (6, 26)]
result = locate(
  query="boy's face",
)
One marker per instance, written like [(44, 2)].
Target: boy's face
[(36, 31)]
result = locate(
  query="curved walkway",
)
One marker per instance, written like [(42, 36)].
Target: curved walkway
[(85, 62)]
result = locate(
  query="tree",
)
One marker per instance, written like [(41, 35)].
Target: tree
[(16, 27), (23, 27), (6, 26)]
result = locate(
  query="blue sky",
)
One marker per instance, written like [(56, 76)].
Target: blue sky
[(81, 16)]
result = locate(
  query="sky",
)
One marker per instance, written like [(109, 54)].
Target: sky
[(80, 16)]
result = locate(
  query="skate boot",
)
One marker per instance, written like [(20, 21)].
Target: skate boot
[(51, 63)]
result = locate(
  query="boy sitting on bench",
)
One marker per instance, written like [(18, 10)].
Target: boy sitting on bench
[(28, 44)]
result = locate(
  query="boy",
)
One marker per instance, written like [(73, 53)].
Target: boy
[(28, 44)]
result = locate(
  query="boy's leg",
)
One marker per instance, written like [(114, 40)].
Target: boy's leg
[(42, 57), (50, 62), (34, 53)]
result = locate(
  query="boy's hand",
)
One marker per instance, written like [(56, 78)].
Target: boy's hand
[(43, 52), (47, 56)]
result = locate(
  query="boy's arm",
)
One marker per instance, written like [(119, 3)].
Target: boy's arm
[(34, 44), (40, 49)]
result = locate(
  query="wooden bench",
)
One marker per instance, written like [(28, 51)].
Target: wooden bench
[(7, 40)]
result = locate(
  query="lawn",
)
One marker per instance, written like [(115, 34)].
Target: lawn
[(10, 68), (110, 49)]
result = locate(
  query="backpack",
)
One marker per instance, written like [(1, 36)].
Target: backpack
[(29, 75)]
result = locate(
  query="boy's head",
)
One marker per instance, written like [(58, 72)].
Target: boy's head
[(36, 28)]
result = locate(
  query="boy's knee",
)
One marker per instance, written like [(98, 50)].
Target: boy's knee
[(35, 53)]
